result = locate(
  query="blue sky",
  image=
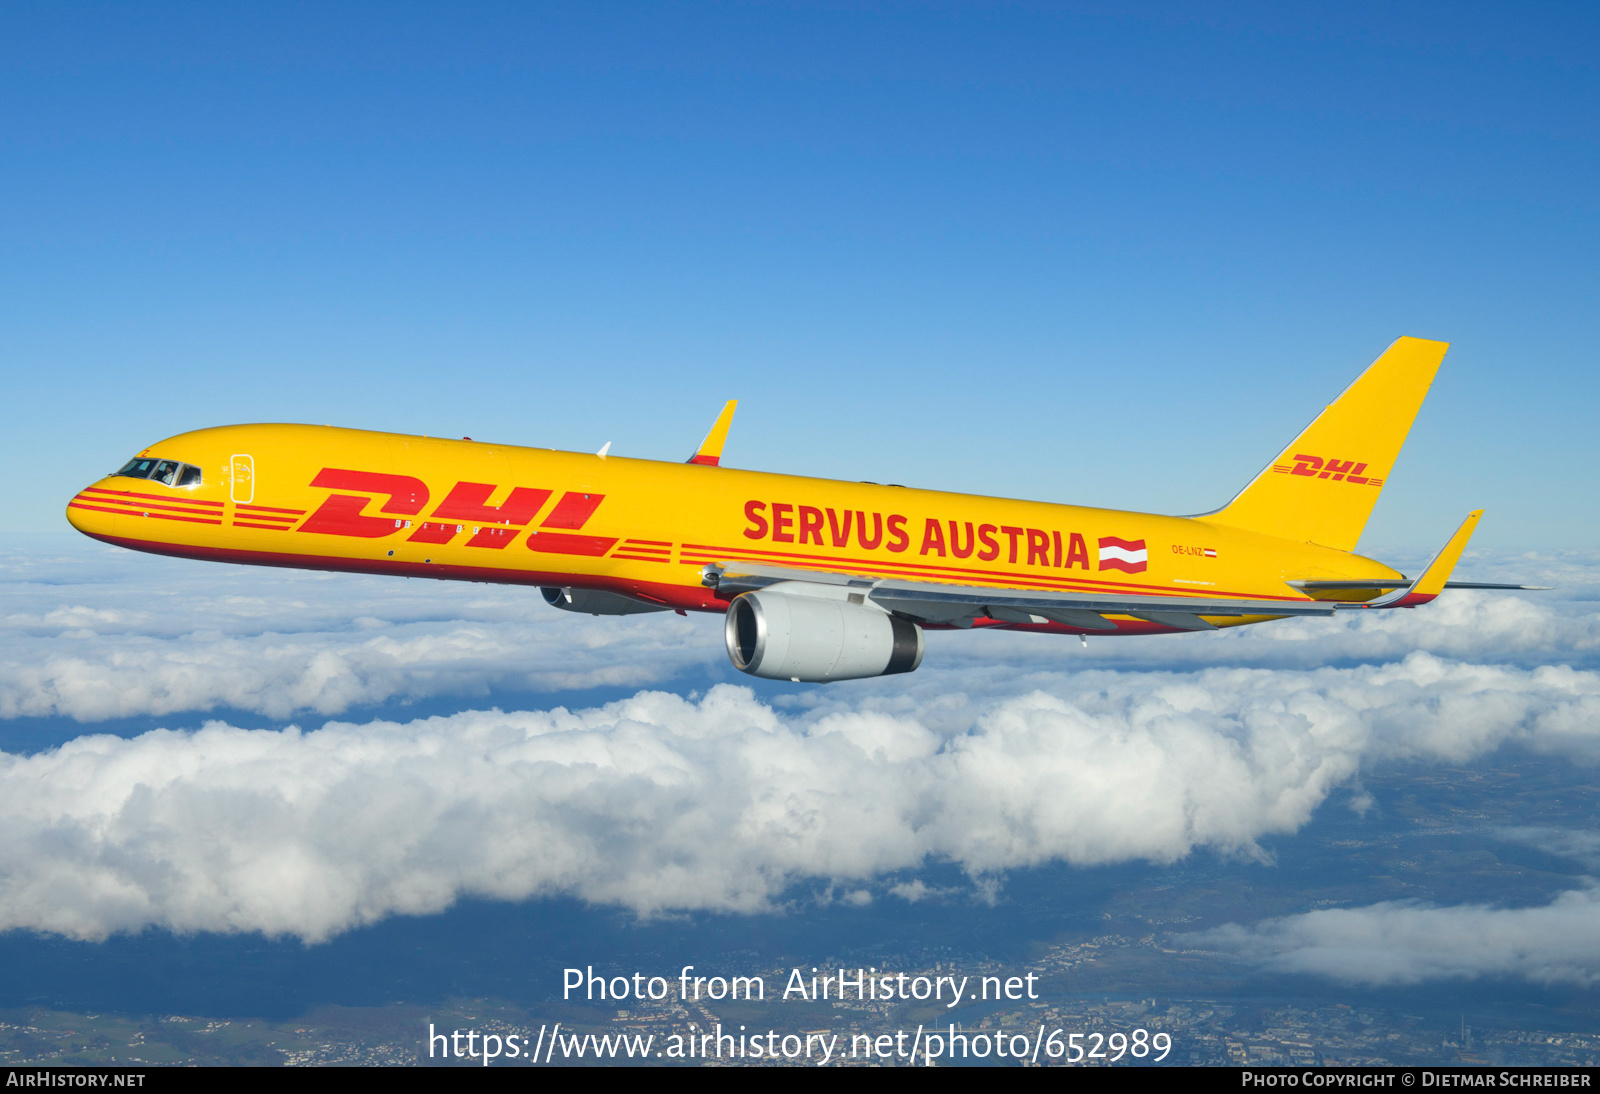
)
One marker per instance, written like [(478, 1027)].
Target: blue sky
[(1070, 253), (1064, 252)]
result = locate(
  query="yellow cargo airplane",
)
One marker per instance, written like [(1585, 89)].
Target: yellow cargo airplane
[(818, 580)]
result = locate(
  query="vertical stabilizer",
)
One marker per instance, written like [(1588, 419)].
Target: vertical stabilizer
[(1321, 489)]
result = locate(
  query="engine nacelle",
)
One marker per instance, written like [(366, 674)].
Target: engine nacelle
[(597, 602), (818, 638)]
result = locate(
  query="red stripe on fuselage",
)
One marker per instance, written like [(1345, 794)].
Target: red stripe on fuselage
[(142, 513), (692, 598), (76, 504), (146, 506), (689, 598), (264, 509), (562, 543), (152, 497)]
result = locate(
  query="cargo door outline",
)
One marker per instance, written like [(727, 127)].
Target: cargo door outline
[(243, 487)]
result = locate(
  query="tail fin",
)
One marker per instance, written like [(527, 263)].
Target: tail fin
[(1321, 489)]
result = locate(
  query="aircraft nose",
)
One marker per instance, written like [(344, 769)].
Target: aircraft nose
[(89, 513)]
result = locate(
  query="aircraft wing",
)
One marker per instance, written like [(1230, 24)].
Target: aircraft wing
[(960, 605)]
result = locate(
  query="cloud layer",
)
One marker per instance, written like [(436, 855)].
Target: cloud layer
[(1409, 942), (660, 802), (1004, 751), (1402, 942), (92, 632)]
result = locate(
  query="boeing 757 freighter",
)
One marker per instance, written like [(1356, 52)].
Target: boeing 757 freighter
[(819, 580)]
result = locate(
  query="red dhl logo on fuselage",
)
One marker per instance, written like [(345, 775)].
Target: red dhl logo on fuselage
[(465, 508), (785, 522), (1315, 467)]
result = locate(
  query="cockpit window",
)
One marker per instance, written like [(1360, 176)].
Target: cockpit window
[(166, 472)]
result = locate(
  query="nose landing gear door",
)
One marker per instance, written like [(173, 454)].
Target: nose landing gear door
[(244, 479)]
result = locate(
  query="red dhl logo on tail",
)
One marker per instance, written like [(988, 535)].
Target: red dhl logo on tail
[(465, 509), (1315, 467)]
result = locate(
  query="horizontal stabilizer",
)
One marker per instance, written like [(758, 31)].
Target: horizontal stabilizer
[(1433, 579)]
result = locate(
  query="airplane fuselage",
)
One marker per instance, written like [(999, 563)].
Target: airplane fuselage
[(321, 497)]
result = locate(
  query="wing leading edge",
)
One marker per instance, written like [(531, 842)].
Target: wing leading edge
[(962, 605)]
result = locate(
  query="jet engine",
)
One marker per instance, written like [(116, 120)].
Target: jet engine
[(597, 602), (834, 635)]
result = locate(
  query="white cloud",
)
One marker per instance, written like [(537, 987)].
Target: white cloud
[(661, 802), (1004, 751), (1583, 847), (99, 633), (1407, 943), (1495, 627), (278, 675), (93, 632)]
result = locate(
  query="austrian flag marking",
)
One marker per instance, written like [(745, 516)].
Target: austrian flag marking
[(1127, 555)]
